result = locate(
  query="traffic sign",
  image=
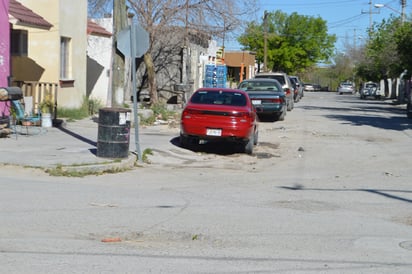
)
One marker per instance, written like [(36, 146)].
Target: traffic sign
[(133, 41)]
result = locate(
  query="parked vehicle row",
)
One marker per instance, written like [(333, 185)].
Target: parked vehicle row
[(367, 90), (224, 114), (298, 88)]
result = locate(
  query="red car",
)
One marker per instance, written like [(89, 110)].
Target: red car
[(219, 114)]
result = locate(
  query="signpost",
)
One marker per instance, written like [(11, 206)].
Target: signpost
[(133, 42)]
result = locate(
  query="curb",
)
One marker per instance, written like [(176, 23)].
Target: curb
[(112, 165)]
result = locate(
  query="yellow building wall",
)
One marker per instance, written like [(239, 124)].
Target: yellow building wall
[(42, 62), (73, 24), (69, 19)]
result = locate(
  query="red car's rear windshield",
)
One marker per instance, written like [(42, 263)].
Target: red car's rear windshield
[(209, 97)]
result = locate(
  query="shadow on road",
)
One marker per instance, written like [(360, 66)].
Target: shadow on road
[(390, 123), (381, 192), (215, 147), (394, 119)]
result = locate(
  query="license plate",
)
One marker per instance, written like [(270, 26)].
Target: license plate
[(256, 102), (213, 132)]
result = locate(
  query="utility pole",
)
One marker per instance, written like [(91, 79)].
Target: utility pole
[(370, 16), (118, 62), (403, 5), (265, 37)]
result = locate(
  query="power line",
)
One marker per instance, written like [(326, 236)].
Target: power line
[(317, 4)]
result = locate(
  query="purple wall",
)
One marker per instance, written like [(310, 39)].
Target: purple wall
[(4, 50), (4, 42)]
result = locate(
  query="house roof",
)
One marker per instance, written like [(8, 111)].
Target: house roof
[(19, 14), (97, 30)]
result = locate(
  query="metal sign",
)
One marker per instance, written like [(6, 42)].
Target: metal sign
[(133, 41)]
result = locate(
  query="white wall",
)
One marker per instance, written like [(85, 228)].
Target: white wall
[(100, 50)]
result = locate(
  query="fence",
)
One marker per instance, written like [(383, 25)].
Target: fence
[(39, 90)]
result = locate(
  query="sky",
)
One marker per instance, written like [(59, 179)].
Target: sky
[(349, 20)]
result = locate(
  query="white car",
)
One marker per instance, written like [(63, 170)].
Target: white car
[(370, 89), (346, 87), (308, 87)]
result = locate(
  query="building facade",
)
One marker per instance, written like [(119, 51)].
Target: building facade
[(55, 60)]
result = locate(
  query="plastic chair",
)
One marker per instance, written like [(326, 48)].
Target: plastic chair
[(23, 118)]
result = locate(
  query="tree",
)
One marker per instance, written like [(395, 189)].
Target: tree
[(342, 68), (214, 18), (403, 38), (294, 42), (382, 59)]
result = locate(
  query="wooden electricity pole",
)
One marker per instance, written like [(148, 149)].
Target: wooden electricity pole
[(118, 84), (265, 37)]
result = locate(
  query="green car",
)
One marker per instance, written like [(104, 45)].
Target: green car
[(267, 97)]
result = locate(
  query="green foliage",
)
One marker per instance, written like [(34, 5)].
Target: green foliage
[(94, 105), (403, 38), (47, 104), (160, 112), (147, 121), (88, 107), (62, 171), (387, 51), (294, 42), (145, 157)]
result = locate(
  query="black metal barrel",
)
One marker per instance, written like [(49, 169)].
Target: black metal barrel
[(113, 133)]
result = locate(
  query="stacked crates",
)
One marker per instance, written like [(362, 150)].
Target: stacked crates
[(215, 76)]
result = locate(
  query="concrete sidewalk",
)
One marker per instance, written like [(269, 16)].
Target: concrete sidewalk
[(73, 144)]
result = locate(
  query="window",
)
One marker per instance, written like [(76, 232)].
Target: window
[(219, 98), (65, 45), (18, 42)]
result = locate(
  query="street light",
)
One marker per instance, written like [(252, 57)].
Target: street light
[(402, 13)]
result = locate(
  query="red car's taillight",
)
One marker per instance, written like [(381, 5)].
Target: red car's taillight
[(245, 115), (188, 112)]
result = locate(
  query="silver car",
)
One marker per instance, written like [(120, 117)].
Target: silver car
[(346, 87), (308, 87)]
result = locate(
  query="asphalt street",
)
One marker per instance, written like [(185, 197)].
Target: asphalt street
[(326, 191)]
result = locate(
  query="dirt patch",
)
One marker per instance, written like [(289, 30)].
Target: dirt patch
[(407, 220), (268, 145), (306, 205)]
